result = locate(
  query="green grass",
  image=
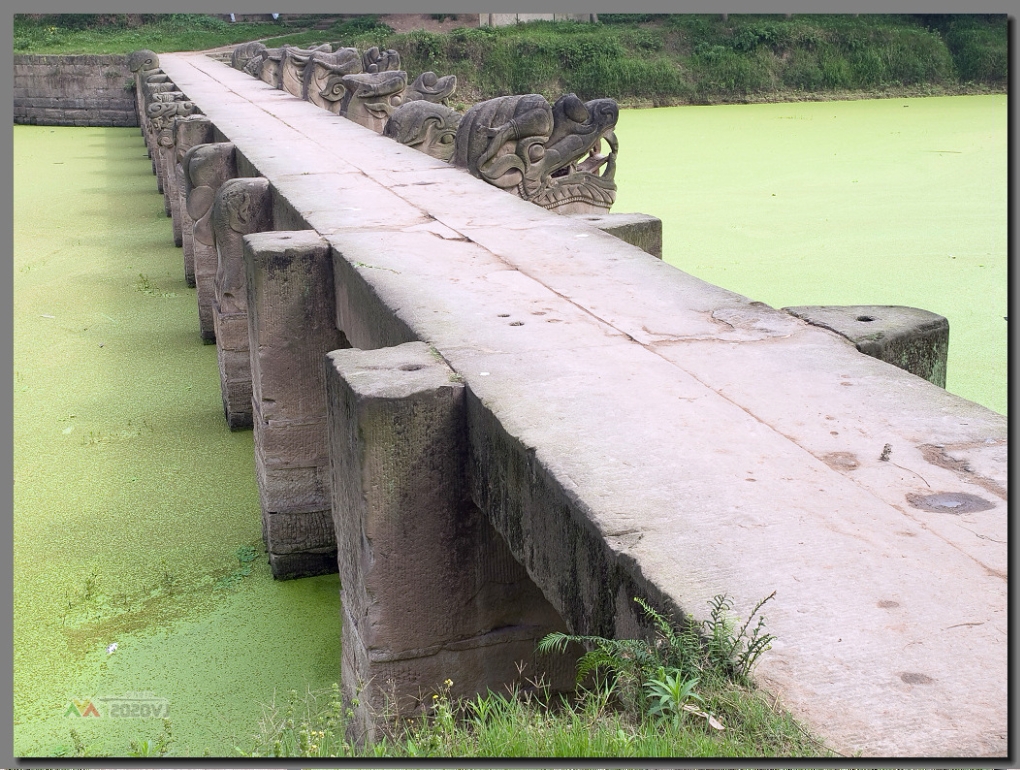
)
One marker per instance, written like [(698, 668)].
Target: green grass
[(639, 58), (683, 692), (526, 721)]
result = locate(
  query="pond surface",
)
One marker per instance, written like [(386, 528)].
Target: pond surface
[(876, 202), (132, 498)]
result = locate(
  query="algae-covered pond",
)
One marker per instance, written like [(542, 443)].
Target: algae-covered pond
[(132, 499), (135, 508), (876, 202)]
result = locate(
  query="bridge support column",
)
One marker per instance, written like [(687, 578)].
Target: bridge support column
[(291, 327), (206, 167), (190, 132), (242, 207), (430, 592)]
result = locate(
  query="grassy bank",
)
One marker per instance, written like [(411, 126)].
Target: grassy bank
[(638, 59)]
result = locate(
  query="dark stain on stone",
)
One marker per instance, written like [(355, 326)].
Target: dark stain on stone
[(886, 604), (911, 677), (841, 461), (937, 455), (950, 502)]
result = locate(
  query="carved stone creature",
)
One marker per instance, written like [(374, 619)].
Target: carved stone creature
[(163, 110), (323, 75), (293, 61), (206, 167), (370, 98), (138, 61), (375, 60), (160, 116), (241, 207), (270, 67), (431, 88), (523, 144), (243, 55), (430, 128)]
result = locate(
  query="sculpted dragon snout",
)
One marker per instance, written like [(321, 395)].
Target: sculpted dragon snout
[(550, 154)]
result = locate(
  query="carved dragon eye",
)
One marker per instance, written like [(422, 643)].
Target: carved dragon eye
[(536, 152)]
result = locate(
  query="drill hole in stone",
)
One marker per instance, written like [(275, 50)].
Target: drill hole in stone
[(865, 318), (503, 315), (410, 367), (517, 323)]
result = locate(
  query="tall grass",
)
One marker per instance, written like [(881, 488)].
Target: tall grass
[(661, 58)]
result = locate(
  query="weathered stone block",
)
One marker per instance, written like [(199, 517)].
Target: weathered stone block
[(241, 206), (287, 566), (190, 132), (206, 167), (310, 532), (291, 311), (291, 443), (429, 588), (641, 230), (284, 488), (913, 339), (232, 333)]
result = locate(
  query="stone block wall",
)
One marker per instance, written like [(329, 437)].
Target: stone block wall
[(91, 90)]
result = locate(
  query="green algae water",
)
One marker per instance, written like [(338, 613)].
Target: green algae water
[(877, 202), (136, 513)]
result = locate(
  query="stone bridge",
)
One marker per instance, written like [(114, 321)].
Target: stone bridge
[(499, 421)]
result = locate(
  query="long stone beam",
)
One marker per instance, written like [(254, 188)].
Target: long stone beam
[(634, 430)]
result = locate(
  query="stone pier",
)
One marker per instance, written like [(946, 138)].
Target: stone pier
[(430, 591), (290, 308)]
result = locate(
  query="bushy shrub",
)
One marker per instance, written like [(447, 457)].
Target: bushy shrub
[(980, 48)]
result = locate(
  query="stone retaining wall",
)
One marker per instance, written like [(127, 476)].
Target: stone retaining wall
[(73, 91)]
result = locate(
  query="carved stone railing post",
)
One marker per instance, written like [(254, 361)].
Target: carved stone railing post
[(191, 131), (428, 587), (140, 63), (291, 327), (241, 207), (152, 84), (206, 167), (293, 62), (322, 75), (370, 98), (163, 115)]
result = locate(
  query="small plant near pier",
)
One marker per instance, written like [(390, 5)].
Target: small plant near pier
[(684, 692), (657, 677)]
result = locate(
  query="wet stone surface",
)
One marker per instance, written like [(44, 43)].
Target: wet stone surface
[(950, 502)]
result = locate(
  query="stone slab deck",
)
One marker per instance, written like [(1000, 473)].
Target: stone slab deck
[(677, 434)]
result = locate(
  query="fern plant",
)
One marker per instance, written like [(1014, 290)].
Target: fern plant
[(667, 667)]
